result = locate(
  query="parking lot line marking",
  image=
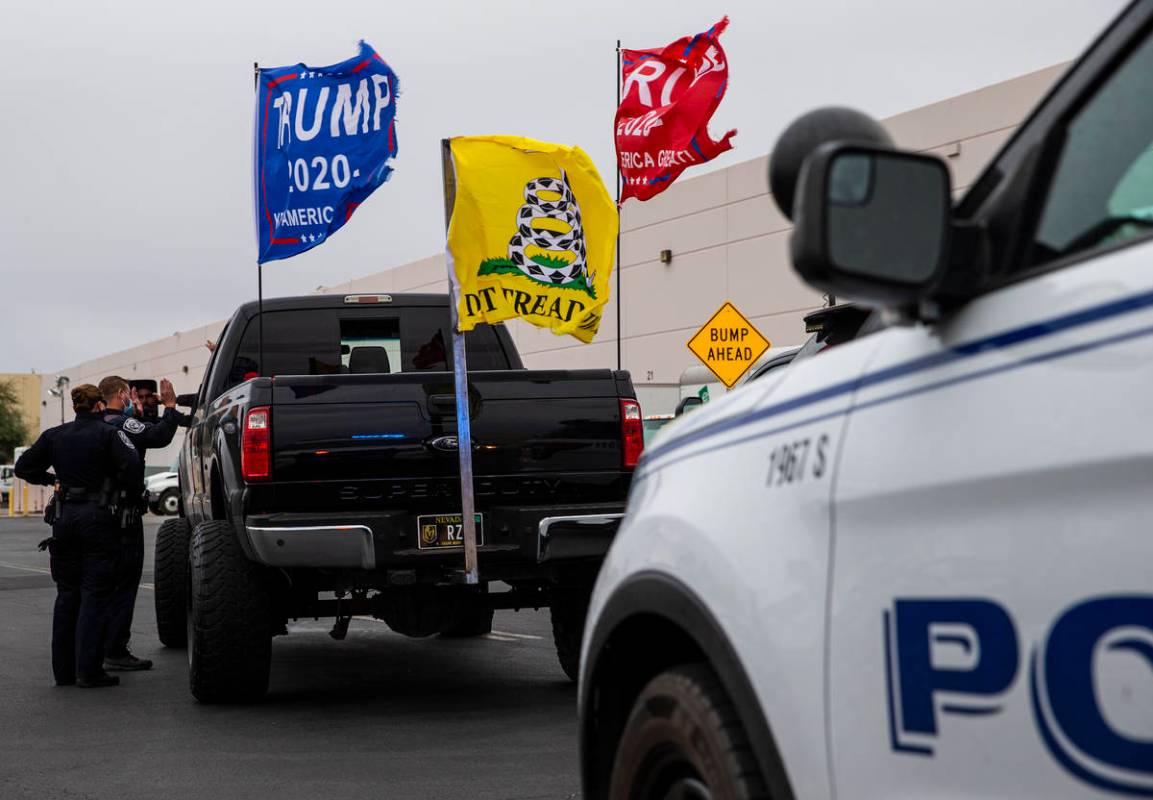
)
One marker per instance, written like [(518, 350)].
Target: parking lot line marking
[(497, 638), (39, 570), (517, 635), (42, 571)]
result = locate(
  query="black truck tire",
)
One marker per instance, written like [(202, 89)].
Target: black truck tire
[(171, 582), (230, 633), (568, 611), (683, 738)]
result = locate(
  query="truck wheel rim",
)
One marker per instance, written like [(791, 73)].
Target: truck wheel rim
[(688, 789), (667, 774), (171, 504)]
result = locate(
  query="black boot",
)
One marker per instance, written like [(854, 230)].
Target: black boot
[(127, 663), (98, 681)]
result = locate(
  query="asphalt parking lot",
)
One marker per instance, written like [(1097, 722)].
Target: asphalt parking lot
[(376, 715)]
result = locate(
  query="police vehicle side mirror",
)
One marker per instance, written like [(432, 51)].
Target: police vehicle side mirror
[(872, 223), (186, 401)]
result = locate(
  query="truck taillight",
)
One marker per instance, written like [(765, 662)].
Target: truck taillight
[(256, 445), (632, 432)]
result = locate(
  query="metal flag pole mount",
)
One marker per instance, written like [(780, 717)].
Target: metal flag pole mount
[(259, 267), (618, 160), (460, 375)]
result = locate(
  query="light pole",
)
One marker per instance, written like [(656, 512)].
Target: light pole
[(61, 382)]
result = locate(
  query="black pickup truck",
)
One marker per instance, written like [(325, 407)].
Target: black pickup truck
[(325, 482)]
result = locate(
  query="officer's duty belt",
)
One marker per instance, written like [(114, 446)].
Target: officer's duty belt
[(80, 495)]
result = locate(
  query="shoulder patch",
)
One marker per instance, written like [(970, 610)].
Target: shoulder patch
[(133, 425), (124, 438)]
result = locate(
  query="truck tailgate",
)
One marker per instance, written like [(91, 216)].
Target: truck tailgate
[(341, 428)]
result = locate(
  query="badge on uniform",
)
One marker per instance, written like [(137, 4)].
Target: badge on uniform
[(133, 425)]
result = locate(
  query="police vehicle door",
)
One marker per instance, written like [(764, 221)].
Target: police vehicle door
[(991, 618)]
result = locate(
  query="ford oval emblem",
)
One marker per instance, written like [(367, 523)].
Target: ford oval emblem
[(446, 444)]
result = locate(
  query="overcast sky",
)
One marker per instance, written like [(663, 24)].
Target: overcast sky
[(126, 130)]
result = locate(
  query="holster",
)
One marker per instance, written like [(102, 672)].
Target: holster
[(52, 510), (129, 515), (127, 510)]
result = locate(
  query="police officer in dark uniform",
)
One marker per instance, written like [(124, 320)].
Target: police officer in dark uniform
[(93, 463), (119, 413)]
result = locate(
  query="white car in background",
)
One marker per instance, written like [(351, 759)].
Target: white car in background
[(7, 473), (918, 564), (163, 492)]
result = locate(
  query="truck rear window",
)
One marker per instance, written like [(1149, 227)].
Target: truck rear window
[(359, 341)]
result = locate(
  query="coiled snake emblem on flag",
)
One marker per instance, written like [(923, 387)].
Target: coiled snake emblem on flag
[(552, 229)]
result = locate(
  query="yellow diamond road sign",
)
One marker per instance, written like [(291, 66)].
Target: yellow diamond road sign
[(728, 344)]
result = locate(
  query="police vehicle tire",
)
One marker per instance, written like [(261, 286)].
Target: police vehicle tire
[(169, 502), (568, 612), (230, 629), (683, 739), (171, 582)]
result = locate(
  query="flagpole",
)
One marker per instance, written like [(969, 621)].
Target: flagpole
[(460, 374), (259, 268), (617, 157)]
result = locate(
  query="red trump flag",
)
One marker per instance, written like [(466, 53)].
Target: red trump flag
[(668, 97)]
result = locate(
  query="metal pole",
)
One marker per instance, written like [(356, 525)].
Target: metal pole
[(260, 316), (260, 369), (618, 160), (61, 382), (460, 378)]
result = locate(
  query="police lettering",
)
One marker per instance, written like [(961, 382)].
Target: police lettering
[(961, 656)]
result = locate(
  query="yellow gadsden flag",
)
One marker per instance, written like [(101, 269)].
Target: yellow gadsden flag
[(533, 234)]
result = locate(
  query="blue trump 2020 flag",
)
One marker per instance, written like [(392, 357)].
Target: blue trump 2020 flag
[(324, 138)]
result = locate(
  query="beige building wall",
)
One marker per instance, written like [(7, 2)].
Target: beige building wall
[(728, 242), (28, 395)]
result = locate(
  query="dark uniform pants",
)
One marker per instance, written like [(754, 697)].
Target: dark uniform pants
[(87, 545), (127, 585)]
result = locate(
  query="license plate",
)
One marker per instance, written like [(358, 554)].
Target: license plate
[(445, 531)]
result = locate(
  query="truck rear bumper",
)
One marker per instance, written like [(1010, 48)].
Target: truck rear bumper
[(576, 536), (330, 546), (515, 539)]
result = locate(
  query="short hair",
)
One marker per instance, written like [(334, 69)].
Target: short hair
[(143, 385), (112, 386), (85, 397)]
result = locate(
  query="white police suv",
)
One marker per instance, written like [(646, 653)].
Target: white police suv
[(919, 564)]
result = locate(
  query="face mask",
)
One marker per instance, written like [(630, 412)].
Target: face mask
[(129, 410)]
